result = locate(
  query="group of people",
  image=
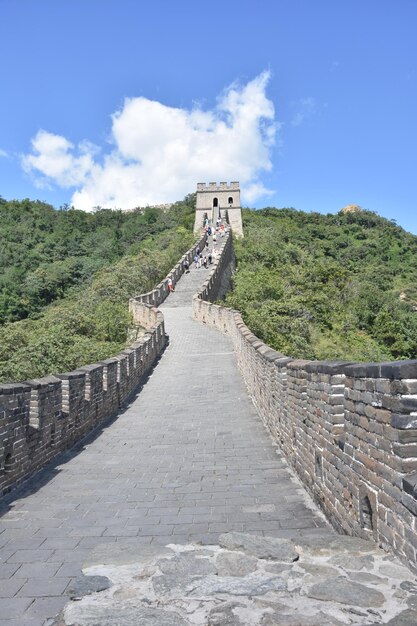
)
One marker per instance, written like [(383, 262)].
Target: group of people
[(218, 230), (204, 260)]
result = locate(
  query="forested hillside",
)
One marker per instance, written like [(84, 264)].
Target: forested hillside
[(328, 286), (66, 277), (312, 286)]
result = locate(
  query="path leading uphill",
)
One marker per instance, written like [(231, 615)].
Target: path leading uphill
[(188, 460)]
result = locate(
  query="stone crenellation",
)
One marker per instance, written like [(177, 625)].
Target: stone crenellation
[(223, 186), (41, 418), (348, 429)]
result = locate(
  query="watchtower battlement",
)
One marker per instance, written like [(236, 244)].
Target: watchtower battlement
[(216, 200), (217, 187)]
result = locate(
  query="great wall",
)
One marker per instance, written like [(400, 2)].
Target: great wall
[(171, 471)]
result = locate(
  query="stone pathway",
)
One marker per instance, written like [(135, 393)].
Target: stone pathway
[(187, 461)]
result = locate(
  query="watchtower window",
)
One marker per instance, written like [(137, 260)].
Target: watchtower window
[(8, 463), (230, 201), (215, 202), (366, 513)]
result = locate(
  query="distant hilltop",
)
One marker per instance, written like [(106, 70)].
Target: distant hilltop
[(351, 208)]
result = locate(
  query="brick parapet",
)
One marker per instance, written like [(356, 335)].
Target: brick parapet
[(348, 429), (41, 418), (159, 293)]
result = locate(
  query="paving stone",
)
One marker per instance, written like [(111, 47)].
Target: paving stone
[(254, 585), (43, 587), (321, 619), (123, 616), (223, 615), (412, 602), (235, 564), (405, 618), (45, 608), (261, 547), (10, 587), (186, 565), (8, 569), (123, 553), (336, 545), (277, 568), (351, 562), (346, 592), (168, 585), (13, 607), (318, 571), (85, 585), (394, 570), (366, 577), (30, 556), (38, 570)]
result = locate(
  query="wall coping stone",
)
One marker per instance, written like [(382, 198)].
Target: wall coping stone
[(71, 375), (297, 363), (387, 369), (410, 484), (403, 422), (110, 361), (328, 367), (45, 381), (11, 388), (91, 367)]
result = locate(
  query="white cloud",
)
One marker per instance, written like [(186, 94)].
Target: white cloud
[(304, 109), (3, 153), (53, 158), (159, 153)]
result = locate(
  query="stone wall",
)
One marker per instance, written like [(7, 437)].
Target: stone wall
[(39, 419), (348, 429)]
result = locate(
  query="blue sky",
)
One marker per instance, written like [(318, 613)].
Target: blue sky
[(310, 104)]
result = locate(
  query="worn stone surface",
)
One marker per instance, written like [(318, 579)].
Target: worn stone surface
[(261, 547), (319, 571), (84, 585), (299, 593), (412, 602), (352, 562), (96, 615), (252, 585), (186, 565), (235, 564), (346, 592), (174, 585), (366, 577), (394, 570), (224, 615), (405, 618), (335, 546), (321, 619), (125, 552)]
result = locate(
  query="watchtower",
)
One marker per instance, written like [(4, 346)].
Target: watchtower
[(219, 200)]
